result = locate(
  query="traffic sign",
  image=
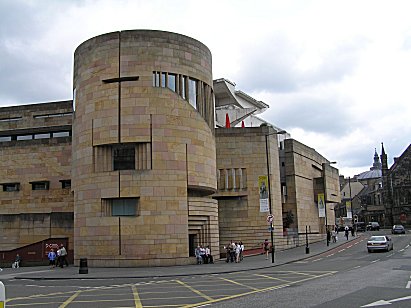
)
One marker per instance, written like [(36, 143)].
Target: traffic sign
[(270, 218)]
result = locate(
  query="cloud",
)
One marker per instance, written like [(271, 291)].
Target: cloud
[(275, 64)]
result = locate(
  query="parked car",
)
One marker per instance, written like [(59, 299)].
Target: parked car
[(360, 226), (373, 226), (379, 242), (398, 229)]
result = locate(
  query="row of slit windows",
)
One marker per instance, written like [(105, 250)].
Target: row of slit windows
[(37, 185), (35, 136), (40, 116), (187, 90), (232, 179), (197, 93)]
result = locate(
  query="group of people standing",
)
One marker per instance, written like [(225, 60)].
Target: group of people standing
[(234, 252), (203, 255), (58, 258), (334, 233)]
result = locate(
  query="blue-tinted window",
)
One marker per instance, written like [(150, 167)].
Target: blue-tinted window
[(163, 80), (192, 92), (172, 82), (124, 207)]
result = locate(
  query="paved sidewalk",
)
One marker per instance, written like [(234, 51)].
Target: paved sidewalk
[(219, 267)]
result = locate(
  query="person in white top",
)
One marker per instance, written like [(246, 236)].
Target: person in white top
[(241, 251), (237, 252)]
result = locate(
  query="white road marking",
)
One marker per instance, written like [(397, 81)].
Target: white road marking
[(375, 261), (387, 302)]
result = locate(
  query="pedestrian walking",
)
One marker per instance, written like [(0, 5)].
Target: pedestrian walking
[(346, 229), (334, 236), (266, 248), (52, 258), (63, 256)]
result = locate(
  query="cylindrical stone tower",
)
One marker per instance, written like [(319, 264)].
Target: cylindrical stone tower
[(144, 158)]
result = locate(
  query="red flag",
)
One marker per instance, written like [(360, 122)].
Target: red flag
[(227, 121), (242, 124)]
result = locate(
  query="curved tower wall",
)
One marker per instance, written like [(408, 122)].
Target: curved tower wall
[(143, 149)]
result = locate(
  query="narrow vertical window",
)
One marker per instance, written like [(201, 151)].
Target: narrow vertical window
[(74, 99), (163, 80), (192, 92), (172, 82), (183, 88)]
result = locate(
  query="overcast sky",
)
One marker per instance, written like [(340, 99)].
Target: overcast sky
[(336, 74)]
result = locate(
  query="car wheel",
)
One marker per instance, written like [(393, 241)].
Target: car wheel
[(369, 251)]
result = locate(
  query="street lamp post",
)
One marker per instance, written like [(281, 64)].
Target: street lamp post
[(269, 190)]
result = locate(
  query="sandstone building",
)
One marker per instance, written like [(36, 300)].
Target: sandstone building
[(139, 169)]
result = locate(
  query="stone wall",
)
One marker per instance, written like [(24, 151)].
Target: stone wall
[(241, 159), (304, 180), (131, 88), (25, 212)]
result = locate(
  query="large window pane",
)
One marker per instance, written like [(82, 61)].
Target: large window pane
[(124, 207)]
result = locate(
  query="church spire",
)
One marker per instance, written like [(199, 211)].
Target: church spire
[(376, 165), (384, 161)]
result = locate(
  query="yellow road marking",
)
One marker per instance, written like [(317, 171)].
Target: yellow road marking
[(194, 290), (273, 278), (240, 284), (302, 273), (258, 290), (236, 295), (137, 301), (70, 299)]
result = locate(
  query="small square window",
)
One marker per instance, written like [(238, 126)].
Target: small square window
[(44, 185), (124, 157), (65, 183), (11, 186)]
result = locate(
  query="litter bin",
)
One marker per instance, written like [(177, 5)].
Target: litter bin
[(83, 266)]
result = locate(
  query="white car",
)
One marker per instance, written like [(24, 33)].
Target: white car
[(379, 242)]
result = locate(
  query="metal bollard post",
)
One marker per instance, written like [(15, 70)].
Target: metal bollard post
[(83, 266), (2, 295), (307, 249)]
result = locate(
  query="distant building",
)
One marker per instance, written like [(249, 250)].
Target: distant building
[(397, 188), (364, 191)]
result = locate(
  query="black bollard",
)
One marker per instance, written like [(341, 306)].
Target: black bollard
[(83, 266)]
